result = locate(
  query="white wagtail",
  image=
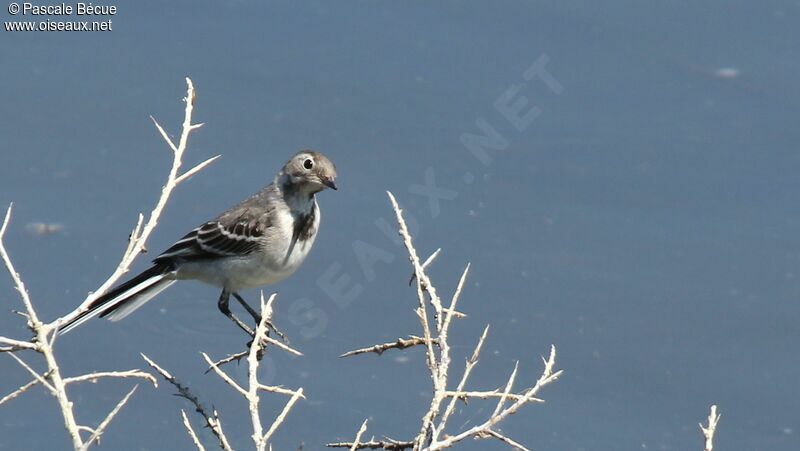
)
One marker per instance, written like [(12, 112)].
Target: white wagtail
[(260, 241)]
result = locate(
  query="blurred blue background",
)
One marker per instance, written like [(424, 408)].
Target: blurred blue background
[(645, 222)]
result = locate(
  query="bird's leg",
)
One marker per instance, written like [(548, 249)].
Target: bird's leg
[(257, 317), (224, 297), (247, 307)]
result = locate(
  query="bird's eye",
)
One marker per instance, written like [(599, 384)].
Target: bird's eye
[(308, 164)]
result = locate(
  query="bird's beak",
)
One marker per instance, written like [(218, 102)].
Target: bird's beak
[(330, 184)]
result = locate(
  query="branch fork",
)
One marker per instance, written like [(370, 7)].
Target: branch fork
[(44, 334), (435, 320)]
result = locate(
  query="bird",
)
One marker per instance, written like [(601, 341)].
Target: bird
[(259, 241)]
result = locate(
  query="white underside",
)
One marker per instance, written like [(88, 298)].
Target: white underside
[(250, 271), (259, 268)]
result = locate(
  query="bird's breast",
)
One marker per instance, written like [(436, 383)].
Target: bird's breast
[(285, 248)]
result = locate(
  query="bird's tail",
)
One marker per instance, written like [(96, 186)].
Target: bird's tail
[(125, 298)]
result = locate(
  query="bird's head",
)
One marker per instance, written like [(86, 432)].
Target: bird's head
[(310, 171)]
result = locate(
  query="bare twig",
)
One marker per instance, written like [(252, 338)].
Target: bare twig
[(259, 438), (33, 318), (282, 416), (419, 271), (253, 358), (708, 431), (93, 377), (281, 391), (19, 391), (107, 420), (504, 396), (471, 362), (39, 377), (142, 231), (400, 343), (224, 376), (456, 295), (374, 444), (464, 395), (431, 258), (45, 333), (425, 265), (190, 431), (360, 432), (548, 376), (254, 387), (506, 440), (186, 175), (237, 357), (211, 419), (44, 345), (423, 285), (454, 313), (444, 367), (435, 330), (16, 345), (281, 345)]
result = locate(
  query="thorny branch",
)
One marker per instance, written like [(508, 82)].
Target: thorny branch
[(400, 343), (251, 393), (708, 431), (141, 232), (44, 334), (435, 329), (211, 419), (386, 444)]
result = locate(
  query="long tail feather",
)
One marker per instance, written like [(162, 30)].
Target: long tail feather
[(125, 298), (132, 303)]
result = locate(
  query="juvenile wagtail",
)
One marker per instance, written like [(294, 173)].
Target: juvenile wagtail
[(260, 241)]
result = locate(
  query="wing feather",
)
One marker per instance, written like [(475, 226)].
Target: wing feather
[(213, 239), (239, 231)]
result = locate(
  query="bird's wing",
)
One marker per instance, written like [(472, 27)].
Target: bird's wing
[(215, 239), (238, 231)]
